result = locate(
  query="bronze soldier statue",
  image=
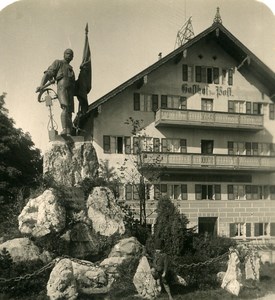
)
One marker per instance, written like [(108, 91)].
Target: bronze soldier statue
[(62, 72)]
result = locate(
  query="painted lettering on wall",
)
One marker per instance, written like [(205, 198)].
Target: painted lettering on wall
[(206, 90)]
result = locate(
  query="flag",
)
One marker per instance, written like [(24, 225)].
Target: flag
[(84, 81)]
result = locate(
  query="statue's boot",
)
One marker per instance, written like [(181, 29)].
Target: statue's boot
[(64, 119)]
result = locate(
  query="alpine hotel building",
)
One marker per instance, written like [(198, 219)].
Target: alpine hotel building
[(208, 112)]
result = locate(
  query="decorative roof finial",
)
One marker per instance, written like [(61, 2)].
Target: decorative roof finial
[(217, 18)]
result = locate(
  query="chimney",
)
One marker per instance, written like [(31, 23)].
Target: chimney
[(160, 55)]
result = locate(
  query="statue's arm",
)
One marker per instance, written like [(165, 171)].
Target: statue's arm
[(49, 75)]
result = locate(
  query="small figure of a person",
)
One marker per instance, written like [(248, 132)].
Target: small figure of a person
[(62, 72), (160, 270)]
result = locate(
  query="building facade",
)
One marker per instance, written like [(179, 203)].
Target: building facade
[(208, 126)]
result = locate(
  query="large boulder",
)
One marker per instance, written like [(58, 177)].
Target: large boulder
[(106, 215), (42, 215), (24, 250), (72, 277), (128, 247), (70, 163), (144, 282), (62, 283)]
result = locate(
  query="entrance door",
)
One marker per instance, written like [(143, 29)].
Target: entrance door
[(208, 225)]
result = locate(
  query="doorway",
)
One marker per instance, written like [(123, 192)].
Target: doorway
[(208, 225)]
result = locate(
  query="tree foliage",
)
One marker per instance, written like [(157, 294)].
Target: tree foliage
[(20, 161), (170, 231)]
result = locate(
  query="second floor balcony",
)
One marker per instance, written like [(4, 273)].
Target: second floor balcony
[(209, 161), (213, 119)]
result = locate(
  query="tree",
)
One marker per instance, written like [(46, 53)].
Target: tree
[(141, 169), (20, 161), (171, 229)]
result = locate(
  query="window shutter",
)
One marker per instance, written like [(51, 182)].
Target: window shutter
[(230, 77), (107, 144), (217, 192), (163, 101), (216, 75), (203, 75), (127, 141), (248, 148), (183, 103), (248, 192), (198, 191), (128, 192), (255, 148), (198, 73), (164, 145), (230, 192), (155, 102), (136, 101), (256, 229), (255, 108), (232, 229), (248, 107), (184, 73), (272, 229), (271, 111), (230, 146), (156, 144), (230, 106), (184, 192), (248, 229)]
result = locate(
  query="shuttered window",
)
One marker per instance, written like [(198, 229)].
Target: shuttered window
[(155, 102), (198, 190), (230, 192), (271, 112), (136, 101), (184, 73), (107, 144), (248, 107)]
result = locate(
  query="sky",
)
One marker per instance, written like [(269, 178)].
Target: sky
[(125, 37)]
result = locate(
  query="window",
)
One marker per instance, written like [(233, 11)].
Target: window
[(240, 230), (131, 192), (207, 146), (257, 108), (116, 144), (207, 104), (174, 145), (253, 192), (142, 144), (187, 73), (271, 112), (208, 192), (236, 106), (261, 229), (177, 191), (160, 190), (144, 102), (207, 74)]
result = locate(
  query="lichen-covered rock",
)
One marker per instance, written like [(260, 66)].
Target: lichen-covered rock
[(70, 163), (24, 250), (62, 283), (232, 278), (144, 282), (42, 215), (128, 247), (106, 215), (111, 264)]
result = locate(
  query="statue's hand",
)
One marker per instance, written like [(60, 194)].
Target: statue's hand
[(38, 89)]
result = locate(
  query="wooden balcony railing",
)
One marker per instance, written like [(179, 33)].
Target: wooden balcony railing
[(214, 161), (179, 117)]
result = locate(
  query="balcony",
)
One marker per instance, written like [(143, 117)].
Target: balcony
[(213, 119), (213, 162)]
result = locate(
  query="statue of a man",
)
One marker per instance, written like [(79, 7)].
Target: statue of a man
[(62, 72)]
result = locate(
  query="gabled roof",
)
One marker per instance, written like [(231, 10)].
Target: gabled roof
[(227, 41)]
